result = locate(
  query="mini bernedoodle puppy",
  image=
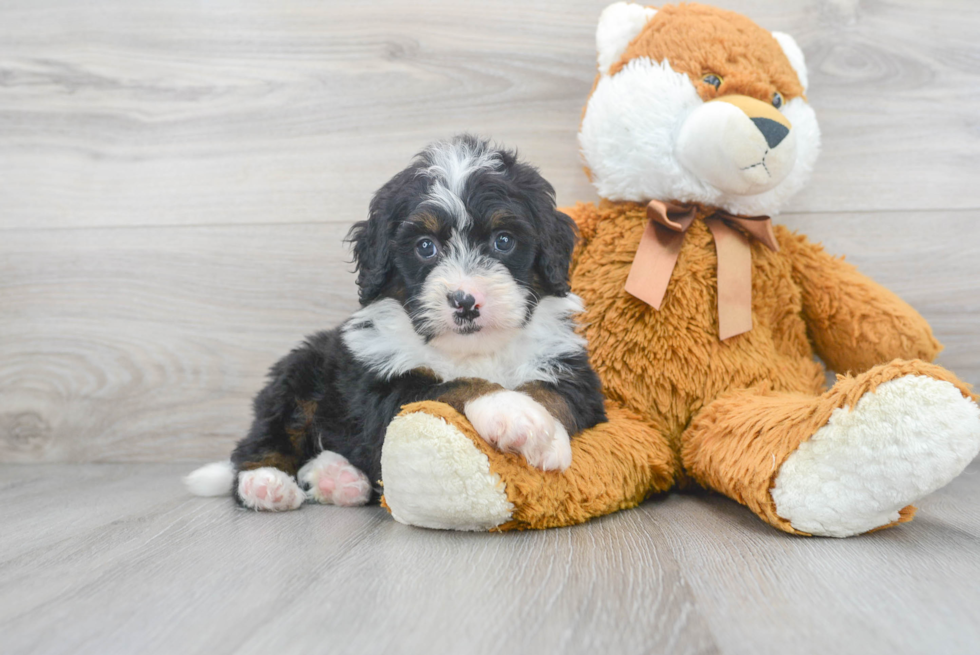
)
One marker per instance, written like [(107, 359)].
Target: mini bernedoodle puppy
[(463, 281)]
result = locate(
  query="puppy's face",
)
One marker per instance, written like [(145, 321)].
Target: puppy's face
[(468, 240)]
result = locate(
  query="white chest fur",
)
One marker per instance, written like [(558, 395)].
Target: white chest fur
[(381, 337)]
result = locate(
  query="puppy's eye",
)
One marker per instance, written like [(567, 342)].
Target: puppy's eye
[(426, 248), (777, 99), (504, 242), (712, 79)]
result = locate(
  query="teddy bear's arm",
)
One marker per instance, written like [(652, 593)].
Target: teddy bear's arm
[(586, 216), (853, 322)]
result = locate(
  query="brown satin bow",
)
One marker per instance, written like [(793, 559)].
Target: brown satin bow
[(661, 244)]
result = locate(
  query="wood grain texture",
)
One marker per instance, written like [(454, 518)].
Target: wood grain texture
[(907, 590), (176, 180), (147, 344), (116, 558), (141, 567), (182, 113)]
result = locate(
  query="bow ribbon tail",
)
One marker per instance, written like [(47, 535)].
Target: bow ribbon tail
[(734, 279), (656, 256)]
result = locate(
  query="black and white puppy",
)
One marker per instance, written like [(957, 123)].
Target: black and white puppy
[(463, 281)]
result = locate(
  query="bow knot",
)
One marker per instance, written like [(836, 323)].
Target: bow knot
[(661, 245)]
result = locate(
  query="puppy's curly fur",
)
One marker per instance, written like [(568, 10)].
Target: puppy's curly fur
[(463, 280)]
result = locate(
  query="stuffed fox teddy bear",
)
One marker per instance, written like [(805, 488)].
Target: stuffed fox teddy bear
[(703, 319)]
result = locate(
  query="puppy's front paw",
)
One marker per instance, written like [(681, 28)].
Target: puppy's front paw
[(516, 423), (269, 489)]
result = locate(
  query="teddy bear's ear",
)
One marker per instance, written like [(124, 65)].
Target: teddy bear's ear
[(618, 25), (794, 54)]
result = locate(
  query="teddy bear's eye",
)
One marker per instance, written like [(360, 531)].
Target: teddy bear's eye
[(777, 99), (712, 79)]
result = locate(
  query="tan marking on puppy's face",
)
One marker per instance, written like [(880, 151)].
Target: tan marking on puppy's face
[(699, 41), (500, 221), (428, 223)]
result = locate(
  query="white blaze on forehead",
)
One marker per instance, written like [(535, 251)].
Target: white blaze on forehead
[(450, 164)]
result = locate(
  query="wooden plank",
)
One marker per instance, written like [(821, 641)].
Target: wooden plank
[(121, 345), (903, 590), (142, 567), (148, 344), (182, 113), (197, 575)]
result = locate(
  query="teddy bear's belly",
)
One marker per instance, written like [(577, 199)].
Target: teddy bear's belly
[(666, 364)]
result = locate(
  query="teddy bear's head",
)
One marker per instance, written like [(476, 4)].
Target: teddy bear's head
[(697, 104)]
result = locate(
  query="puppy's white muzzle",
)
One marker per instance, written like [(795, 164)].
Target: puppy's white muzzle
[(737, 144), (466, 293)]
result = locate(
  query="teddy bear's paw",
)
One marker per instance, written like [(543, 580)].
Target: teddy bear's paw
[(516, 423), (269, 489), (436, 477), (900, 442), (330, 479)]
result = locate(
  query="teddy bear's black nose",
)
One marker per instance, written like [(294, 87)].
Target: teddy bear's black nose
[(773, 131)]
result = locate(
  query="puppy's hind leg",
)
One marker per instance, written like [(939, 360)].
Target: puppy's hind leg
[(332, 480), (280, 438), (266, 462), (269, 489)]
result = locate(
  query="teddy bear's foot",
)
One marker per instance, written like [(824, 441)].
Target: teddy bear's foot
[(439, 473), (900, 442), (849, 461), (436, 477)]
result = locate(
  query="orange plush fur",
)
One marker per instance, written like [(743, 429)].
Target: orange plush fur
[(698, 40), (683, 405)]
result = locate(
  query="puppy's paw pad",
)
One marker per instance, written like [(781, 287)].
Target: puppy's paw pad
[(516, 423), (269, 489), (332, 480)]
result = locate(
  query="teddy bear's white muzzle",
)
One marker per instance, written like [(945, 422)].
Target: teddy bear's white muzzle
[(741, 150)]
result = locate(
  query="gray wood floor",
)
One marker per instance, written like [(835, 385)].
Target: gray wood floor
[(116, 558), (175, 182)]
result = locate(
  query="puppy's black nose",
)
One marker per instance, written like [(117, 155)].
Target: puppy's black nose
[(464, 304)]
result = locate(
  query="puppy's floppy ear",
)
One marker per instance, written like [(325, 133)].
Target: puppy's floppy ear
[(371, 249), (555, 256), (371, 239), (557, 232)]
